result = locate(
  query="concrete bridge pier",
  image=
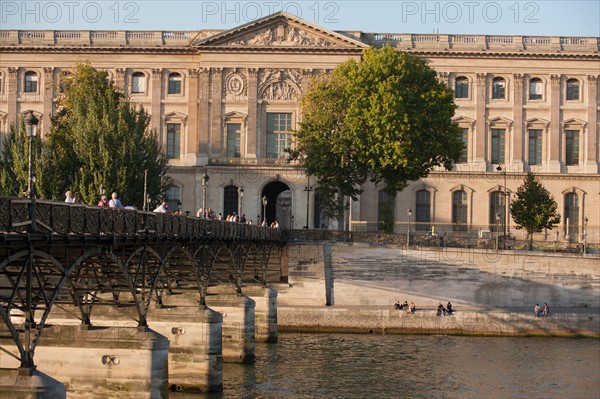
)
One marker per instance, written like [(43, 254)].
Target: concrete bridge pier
[(238, 332), (195, 355), (29, 383), (265, 313), (120, 361)]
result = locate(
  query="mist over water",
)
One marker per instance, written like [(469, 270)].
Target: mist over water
[(408, 366)]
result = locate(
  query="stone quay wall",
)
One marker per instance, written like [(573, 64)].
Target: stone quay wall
[(352, 287)]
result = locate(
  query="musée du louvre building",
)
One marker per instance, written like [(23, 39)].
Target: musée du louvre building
[(226, 102)]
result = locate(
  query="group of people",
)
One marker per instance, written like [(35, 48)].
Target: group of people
[(409, 309), (441, 310), (114, 202), (545, 311)]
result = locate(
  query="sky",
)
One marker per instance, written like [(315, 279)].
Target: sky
[(527, 18)]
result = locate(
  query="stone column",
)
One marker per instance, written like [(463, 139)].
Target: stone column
[(12, 89), (480, 157), (252, 116), (203, 117), (216, 112), (592, 158), (554, 136), (47, 92), (239, 345), (265, 312), (120, 79), (191, 147), (518, 162), (155, 113)]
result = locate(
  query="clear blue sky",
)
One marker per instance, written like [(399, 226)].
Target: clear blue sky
[(545, 17)]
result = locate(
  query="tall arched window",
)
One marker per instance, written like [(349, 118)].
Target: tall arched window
[(535, 89), (173, 195), (497, 210), (423, 210), (386, 212), (138, 83), (572, 89), (498, 88), (461, 87), (459, 210), (31, 82), (320, 218), (174, 83), (571, 215), (230, 200)]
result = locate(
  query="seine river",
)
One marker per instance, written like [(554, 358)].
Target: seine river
[(348, 366)]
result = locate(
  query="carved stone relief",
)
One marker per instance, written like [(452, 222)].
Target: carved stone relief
[(235, 85), (279, 91), (282, 34)]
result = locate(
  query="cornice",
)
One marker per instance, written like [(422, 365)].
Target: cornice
[(87, 50), (496, 54), (512, 175)]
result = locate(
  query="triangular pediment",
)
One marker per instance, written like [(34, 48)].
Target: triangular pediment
[(280, 31)]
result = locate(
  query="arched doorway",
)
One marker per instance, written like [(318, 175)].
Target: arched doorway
[(279, 204)]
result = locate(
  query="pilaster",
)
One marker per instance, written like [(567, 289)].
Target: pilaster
[(191, 147), (592, 158), (518, 162), (480, 155), (47, 92), (252, 110), (203, 117), (12, 89), (120, 79), (155, 88), (216, 111), (554, 143)]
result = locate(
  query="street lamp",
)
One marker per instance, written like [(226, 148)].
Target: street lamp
[(308, 188), (408, 229), (204, 187), (497, 229), (265, 201), (505, 197), (31, 124), (585, 223), (241, 197)]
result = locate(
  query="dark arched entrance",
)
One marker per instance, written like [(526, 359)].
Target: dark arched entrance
[(279, 204)]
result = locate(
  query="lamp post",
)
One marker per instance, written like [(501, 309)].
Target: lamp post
[(204, 187), (585, 223), (497, 229), (265, 201), (241, 197), (505, 204), (31, 124), (409, 212), (308, 188)]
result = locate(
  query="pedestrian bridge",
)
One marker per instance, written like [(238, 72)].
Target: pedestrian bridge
[(89, 257)]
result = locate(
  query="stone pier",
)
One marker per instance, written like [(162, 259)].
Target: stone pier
[(238, 332), (29, 383), (118, 361), (265, 312)]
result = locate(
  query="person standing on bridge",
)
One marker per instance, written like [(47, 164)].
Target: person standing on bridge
[(69, 197), (162, 208), (115, 202), (103, 201)]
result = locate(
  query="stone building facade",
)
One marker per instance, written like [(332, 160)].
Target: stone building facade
[(225, 103)]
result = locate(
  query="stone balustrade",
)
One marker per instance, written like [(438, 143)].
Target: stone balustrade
[(415, 42)]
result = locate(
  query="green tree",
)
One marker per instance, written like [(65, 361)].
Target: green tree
[(99, 137), (386, 118), (534, 209), (14, 162)]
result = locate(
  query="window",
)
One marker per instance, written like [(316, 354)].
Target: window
[(535, 147), (535, 89), (31, 82), (173, 198), (138, 83), (230, 200), (386, 211), (320, 217), (464, 153), (233, 140), (572, 147), (174, 84), (498, 145), (173, 140), (423, 210), (498, 88), (497, 207), (459, 210), (572, 89), (278, 133), (461, 87), (572, 215)]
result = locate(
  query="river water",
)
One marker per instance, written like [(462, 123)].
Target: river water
[(349, 366)]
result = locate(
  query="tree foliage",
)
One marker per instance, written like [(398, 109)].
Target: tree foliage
[(99, 138), (534, 209), (386, 119)]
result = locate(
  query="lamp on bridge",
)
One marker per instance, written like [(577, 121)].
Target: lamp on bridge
[(308, 188), (31, 124), (204, 187), (504, 204), (265, 201), (241, 196)]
